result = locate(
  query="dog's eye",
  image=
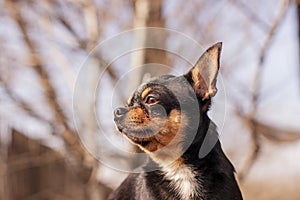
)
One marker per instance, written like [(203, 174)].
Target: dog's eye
[(151, 100)]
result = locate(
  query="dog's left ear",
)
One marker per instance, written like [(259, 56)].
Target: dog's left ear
[(203, 75)]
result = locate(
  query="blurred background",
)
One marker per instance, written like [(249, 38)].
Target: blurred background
[(43, 45)]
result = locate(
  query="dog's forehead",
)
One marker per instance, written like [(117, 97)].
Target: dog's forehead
[(146, 87), (156, 81), (175, 84)]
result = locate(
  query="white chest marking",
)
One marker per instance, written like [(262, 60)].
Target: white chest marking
[(183, 179)]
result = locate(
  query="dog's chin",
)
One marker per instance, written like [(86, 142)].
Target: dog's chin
[(138, 140), (119, 128), (135, 137)]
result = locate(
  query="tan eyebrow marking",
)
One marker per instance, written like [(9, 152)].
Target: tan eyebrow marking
[(129, 99), (146, 92)]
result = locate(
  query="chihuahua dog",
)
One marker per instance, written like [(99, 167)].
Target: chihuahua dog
[(166, 117)]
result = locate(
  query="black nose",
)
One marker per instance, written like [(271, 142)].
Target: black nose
[(119, 112)]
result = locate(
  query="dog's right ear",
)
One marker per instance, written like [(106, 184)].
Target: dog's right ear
[(203, 75)]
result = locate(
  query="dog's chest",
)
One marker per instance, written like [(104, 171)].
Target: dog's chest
[(183, 180)]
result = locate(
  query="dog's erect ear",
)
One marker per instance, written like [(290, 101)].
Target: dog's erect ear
[(203, 75)]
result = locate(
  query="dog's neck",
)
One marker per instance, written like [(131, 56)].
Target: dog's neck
[(204, 141), (183, 175), (186, 174)]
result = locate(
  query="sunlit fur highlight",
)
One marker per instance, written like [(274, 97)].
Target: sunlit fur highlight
[(183, 179)]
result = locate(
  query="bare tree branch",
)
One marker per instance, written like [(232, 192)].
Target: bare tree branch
[(264, 50), (91, 23), (254, 130), (250, 14), (276, 134), (20, 103), (70, 137), (81, 42)]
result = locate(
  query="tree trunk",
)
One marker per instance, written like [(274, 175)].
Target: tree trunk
[(148, 13)]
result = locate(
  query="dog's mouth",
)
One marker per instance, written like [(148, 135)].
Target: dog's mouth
[(139, 140), (141, 136), (155, 134), (137, 125)]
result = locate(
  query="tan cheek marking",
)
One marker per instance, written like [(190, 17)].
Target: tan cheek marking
[(153, 146), (145, 92), (170, 129), (169, 137)]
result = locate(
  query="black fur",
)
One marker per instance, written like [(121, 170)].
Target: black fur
[(214, 172)]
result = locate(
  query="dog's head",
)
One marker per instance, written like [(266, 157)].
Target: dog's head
[(164, 110)]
